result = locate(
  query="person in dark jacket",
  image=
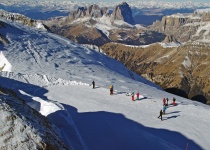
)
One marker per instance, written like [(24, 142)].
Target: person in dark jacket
[(161, 114), (111, 89), (93, 84), (167, 101)]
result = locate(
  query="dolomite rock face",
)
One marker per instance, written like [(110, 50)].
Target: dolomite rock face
[(185, 27), (91, 11), (123, 12)]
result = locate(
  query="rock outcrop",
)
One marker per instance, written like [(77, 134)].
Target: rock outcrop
[(22, 19), (169, 39), (3, 39), (189, 27), (123, 12), (91, 11)]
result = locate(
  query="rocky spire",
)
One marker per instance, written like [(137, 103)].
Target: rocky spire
[(123, 12)]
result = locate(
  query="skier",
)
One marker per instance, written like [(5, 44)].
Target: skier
[(174, 101), (93, 84), (111, 89), (161, 113), (164, 109), (164, 101), (137, 95), (132, 96)]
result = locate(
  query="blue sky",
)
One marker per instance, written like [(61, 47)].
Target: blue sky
[(143, 0)]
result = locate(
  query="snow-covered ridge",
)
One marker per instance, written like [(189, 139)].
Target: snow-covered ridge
[(9, 15), (167, 5), (200, 11), (39, 79), (21, 19), (178, 15)]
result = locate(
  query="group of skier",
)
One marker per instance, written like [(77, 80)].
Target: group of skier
[(165, 100), (137, 96), (165, 106), (112, 92)]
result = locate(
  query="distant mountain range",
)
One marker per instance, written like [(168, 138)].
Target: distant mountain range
[(46, 9), (66, 4)]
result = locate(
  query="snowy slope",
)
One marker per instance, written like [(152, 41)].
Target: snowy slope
[(53, 74)]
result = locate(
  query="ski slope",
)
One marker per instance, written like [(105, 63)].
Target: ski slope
[(54, 75)]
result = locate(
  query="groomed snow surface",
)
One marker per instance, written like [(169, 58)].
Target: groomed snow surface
[(53, 75)]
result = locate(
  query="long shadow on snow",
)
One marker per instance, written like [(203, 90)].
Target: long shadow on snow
[(104, 130), (33, 90), (111, 131)]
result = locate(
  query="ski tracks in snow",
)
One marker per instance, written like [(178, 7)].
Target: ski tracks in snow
[(33, 50)]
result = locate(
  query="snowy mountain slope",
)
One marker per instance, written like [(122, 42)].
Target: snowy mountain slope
[(52, 74), (41, 49)]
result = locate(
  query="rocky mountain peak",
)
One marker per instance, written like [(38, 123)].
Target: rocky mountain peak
[(123, 12), (205, 16), (94, 11), (80, 12), (91, 11)]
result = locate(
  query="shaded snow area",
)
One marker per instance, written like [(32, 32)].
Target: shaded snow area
[(54, 77), (23, 127)]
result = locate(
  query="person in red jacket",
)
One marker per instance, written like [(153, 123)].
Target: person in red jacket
[(137, 95), (164, 101), (174, 101), (132, 96)]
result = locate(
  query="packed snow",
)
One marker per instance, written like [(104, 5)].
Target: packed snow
[(54, 76)]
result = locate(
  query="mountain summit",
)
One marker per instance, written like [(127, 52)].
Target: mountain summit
[(123, 12)]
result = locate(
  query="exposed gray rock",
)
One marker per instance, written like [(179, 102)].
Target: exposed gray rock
[(3, 40), (184, 28), (21, 19), (169, 39), (91, 11), (123, 12)]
